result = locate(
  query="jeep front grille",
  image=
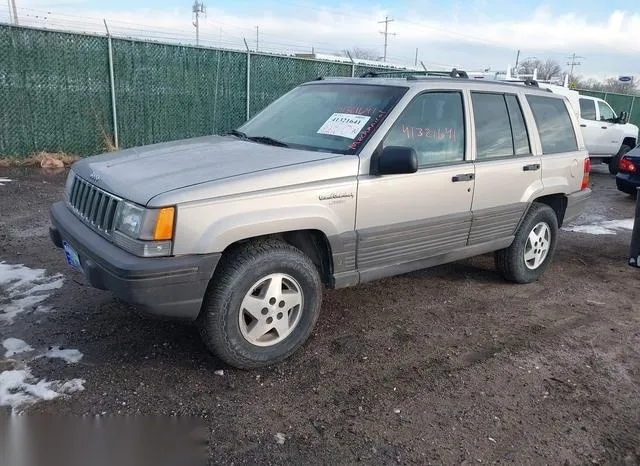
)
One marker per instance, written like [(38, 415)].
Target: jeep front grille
[(94, 206)]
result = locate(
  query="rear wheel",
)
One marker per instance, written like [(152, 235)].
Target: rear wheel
[(261, 305), (613, 163), (532, 249)]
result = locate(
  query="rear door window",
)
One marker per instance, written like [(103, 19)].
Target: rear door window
[(588, 109), (554, 124), (499, 124)]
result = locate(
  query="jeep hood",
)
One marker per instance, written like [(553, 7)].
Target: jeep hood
[(141, 173)]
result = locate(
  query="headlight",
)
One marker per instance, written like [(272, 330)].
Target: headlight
[(129, 219), (144, 232)]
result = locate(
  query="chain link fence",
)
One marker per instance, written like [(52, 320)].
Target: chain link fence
[(619, 103), (55, 90)]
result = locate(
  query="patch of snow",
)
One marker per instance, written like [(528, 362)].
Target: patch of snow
[(4, 180), (608, 227), (280, 438), (70, 355), (18, 388), (15, 346), (24, 288)]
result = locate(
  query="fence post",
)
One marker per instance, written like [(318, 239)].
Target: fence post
[(248, 109), (248, 85), (113, 89), (353, 65), (633, 101)]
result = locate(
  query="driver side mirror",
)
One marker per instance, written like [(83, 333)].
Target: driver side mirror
[(623, 119), (395, 160)]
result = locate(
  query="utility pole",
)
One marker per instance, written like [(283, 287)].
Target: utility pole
[(257, 37), (12, 7), (197, 9), (415, 63), (386, 35), (517, 60), (573, 63)]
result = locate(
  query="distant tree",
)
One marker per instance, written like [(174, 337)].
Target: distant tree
[(546, 69), (361, 53), (612, 85)]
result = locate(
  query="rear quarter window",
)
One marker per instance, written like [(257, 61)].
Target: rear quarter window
[(554, 124)]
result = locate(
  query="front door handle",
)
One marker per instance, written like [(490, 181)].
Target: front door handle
[(583, 126), (603, 127), (463, 177), (532, 167)]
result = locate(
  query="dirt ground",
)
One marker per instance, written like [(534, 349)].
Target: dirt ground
[(448, 365)]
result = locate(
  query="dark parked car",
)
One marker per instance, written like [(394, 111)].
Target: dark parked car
[(628, 177)]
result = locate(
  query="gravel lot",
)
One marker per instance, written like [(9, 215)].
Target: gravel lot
[(447, 365)]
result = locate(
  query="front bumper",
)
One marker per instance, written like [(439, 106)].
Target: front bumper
[(576, 203), (167, 286)]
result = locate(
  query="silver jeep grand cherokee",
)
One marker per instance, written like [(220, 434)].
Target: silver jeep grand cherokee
[(338, 182)]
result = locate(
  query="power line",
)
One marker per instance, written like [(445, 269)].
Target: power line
[(386, 35), (573, 63)]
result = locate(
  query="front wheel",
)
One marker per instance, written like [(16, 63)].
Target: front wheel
[(533, 246), (615, 160), (261, 305)]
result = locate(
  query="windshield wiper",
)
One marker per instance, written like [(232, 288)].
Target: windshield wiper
[(235, 132), (268, 140)]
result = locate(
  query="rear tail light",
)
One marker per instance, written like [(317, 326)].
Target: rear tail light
[(585, 176), (626, 165)]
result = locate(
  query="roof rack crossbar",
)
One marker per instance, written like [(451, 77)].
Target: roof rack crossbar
[(454, 73)]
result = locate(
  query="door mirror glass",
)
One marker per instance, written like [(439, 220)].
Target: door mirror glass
[(395, 160), (623, 119)]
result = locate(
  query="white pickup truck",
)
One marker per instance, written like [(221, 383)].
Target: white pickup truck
[(608, 136)]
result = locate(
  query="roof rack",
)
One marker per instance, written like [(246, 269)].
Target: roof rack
[(454, 73)]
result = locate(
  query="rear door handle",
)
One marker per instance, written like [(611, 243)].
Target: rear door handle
[(463, 177), (532, 167), (603, 127), (583, 126)]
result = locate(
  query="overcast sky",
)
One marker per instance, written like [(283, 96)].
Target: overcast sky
[(472, 34)]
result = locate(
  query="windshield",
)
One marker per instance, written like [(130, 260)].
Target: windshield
[(336, 118)]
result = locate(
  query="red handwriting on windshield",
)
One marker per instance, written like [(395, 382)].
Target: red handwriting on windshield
[(367, 131), (357, 110), (430, 133)]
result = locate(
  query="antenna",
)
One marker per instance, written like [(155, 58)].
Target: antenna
[(198, 9), (386, 34)]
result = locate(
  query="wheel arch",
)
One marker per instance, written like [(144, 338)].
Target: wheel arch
[(629, 141), (314, 243), (558, 202)]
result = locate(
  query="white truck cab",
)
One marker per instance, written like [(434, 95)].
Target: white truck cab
[(607, 135)]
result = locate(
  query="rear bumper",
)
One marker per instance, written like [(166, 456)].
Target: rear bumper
[(576, 203), (167, 286), (627, 183)]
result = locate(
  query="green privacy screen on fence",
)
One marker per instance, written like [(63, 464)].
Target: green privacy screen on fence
[(168, 92), (620, 103), (55, 90)]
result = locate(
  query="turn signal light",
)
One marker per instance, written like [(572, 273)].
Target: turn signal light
[(587, 170), (626, 165), (164, 224)]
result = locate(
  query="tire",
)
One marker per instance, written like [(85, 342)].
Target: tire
[(613, 162), (511, 262), (248, 331)]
